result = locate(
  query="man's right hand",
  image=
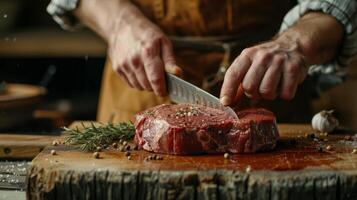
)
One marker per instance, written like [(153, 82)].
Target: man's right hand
[(140, 53)]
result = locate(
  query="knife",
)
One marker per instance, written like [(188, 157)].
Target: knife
[(181, 91)]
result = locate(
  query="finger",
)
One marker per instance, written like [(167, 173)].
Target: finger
[(130, 75), (124, 78), (289, 81), (233, 78), (240, 93), (154, 68), (155, 73), (169, 58), (140, 73), (268, 88), (255, 74)]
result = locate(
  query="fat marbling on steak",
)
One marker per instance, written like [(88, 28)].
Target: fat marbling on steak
[(185, 129)]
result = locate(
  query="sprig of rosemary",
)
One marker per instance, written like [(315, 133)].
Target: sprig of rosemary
[(91, 137)]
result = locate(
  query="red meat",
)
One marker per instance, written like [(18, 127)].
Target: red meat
[(186, 129)]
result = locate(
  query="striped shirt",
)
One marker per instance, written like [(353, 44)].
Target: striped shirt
[(331, 73)]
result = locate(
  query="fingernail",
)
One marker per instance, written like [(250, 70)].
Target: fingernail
[(225, 100)]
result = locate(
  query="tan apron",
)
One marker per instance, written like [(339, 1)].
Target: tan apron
[(201, 31)]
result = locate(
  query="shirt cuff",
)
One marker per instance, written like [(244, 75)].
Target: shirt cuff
[(61, 13), (345, 12)]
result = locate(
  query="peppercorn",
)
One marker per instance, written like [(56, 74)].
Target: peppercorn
[(53, 152), (55, 143), (248, 169), (226, 155), (121, 148), (135, 147), (115, 145), (310, 136), (348, 137), (96, 155), (127, 147), (354, 151)]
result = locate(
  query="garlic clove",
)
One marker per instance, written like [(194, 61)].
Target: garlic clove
[(324, 121)]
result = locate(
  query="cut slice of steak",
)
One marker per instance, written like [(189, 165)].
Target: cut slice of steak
[(185, 129)]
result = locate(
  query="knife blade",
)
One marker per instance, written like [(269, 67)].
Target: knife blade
[(181, 91)]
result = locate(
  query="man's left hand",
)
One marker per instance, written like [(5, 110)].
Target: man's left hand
[(267, 71)]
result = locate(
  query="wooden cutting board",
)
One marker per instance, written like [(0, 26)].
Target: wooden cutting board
[(21, 146), (294, 170)]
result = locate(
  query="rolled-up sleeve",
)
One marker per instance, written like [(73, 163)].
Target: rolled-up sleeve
[(61, 13), (345, 11)]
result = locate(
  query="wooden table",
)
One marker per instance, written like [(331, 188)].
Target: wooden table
[(294, 170)]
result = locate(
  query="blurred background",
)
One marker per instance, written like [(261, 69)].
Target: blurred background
[(53, 76), (62, 70)]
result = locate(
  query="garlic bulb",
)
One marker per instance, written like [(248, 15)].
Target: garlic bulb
[(324, 121)]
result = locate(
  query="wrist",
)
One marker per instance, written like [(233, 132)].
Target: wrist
[(318, 36), (102, 16), (301, 42)]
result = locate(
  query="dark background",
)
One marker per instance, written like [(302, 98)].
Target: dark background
[(31, 43)]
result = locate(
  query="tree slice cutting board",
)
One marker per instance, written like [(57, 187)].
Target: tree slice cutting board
[(296, 169)]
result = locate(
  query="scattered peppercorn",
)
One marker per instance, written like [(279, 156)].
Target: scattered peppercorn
[(99, 148), (55, 143), (115, 145), (310, 136), (248, 169), (121, 148), (127, 153), (127, 147), (96, 155), (226, 155), (135, 147), (53, 152), (348, 137)]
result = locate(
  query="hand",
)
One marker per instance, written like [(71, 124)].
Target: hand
[(140, 52), (268, 70), (276, 68)]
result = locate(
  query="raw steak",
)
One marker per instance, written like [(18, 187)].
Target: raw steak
[(185, 129)]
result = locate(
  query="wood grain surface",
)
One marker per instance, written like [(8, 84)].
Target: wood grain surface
[(296, 169), (18, 146)]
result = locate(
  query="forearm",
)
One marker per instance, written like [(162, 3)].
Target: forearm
[(318, 35), (104, 17)]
